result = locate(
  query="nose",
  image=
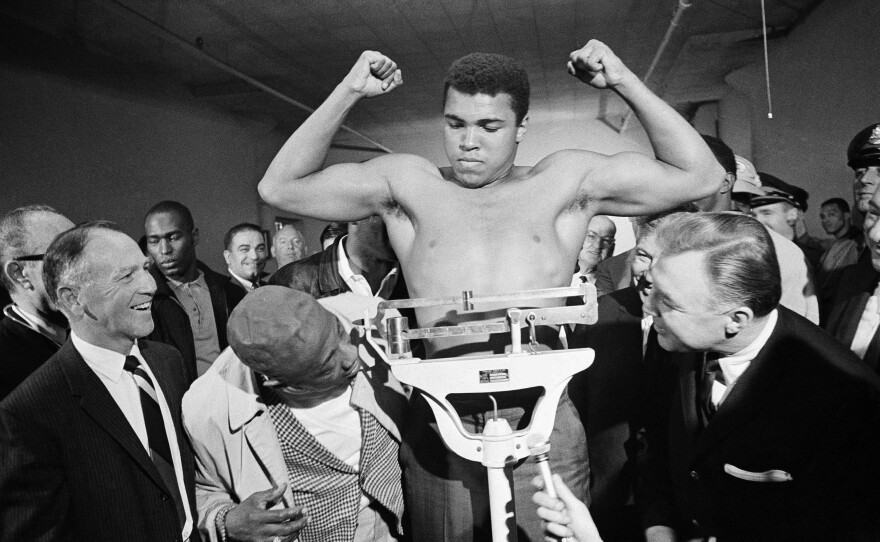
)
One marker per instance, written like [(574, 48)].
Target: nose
[(148, 283), (469, 139), (164, 246)]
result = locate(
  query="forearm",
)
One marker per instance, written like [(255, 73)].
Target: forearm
[(674, 140), (306, 150)]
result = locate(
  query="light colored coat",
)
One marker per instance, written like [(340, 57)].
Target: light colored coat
[(234, 440)]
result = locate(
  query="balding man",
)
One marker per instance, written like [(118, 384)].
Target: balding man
[(598, 246), (91, 442), (33, 328), (288, 246)]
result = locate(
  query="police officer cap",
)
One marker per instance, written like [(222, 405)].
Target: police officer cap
[(864, 149), (776, 190)]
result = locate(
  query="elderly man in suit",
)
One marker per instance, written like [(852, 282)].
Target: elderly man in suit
[(289, 417), (772, 433), (91, 446)]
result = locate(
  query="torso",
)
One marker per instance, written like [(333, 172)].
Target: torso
[(523, 233)]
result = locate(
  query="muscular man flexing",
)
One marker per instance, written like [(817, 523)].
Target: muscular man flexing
[(483, 223)]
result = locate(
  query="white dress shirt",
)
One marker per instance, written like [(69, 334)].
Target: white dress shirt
[(109, 366), (734, 365), (248, 284), (358, 284)]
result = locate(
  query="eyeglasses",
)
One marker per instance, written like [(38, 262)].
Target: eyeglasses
[(603, 242), (30, 258)]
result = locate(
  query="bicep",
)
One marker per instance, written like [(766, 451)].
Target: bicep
[(341, 192), (633, 184)]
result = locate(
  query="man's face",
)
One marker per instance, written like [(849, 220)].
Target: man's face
[(834, 220), (646, 250), (686, 315), (171, 244), (246, 255), (42, 228), (866, 181), (779, 217), (117, 292), (598, 244), (288, 245), (335, 367), (872, 230), (481, 136)]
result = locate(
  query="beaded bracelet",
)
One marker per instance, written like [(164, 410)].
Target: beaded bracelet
[(220, 521)]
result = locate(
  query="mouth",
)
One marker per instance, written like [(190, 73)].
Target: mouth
[(145, 306)]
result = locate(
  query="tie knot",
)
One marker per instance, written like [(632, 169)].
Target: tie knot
[(131, 364)]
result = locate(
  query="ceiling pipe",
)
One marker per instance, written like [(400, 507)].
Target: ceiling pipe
[(169, 36), (679, 11)]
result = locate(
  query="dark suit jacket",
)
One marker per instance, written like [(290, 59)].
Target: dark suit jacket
[(171, 323), (856, 284), (806, 406), (609, 398), (22, 351), (71, 466), (614, 273)]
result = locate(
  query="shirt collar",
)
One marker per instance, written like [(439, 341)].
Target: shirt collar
[(107, 362), (52, 331), (200, 280), (348, 275), (249, 284), (735, 365)]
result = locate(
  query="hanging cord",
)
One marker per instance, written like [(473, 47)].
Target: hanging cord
[(766, 61)]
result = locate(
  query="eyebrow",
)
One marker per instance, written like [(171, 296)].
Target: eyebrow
[(480, 122)]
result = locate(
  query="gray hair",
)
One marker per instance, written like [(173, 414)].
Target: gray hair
[(738, 256), (14, 237), (645, 225), (63, 264)]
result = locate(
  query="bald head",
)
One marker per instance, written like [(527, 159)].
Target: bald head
[(288, 245), (598, 245)]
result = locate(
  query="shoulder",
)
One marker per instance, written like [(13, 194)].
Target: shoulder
[(45, 387), (292, 273)]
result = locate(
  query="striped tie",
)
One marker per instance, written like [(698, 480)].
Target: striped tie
[(160, 450)]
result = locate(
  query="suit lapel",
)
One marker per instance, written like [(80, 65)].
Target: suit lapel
[(851, 315), (752, 391), (99, 405)]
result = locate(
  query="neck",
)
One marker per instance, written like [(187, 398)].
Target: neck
[(366, 263), (744, 338), (26, 303), (842, 232), (312, 400), (190, 274)]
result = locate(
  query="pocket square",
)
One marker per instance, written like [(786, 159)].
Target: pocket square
[(774, 475)]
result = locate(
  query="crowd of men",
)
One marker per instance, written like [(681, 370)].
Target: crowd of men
[(148, 397)]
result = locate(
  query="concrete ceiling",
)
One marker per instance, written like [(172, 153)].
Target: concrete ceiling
[(302, 48)]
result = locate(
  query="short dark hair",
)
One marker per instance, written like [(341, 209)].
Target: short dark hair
[(63, 261), (738, 255), (173, 207), (722, 152), (334, 230), (840, 202), (492, 74), (244, 226), (644, 225)]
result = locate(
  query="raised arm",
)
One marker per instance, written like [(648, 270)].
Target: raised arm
[(295, 180), (631, 183)]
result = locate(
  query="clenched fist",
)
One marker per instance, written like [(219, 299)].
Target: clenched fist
[(597, 65), (374, 74)]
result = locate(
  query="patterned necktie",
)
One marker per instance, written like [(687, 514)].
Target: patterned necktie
[(711, 373), (160, 450)]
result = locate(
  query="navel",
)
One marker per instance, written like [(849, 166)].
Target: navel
[(536, 238), (432, 243)]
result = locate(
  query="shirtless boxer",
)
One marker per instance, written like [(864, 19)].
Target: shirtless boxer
[(485, 224)]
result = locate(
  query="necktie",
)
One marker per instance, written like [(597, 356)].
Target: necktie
[(160, 450), (711, 373)]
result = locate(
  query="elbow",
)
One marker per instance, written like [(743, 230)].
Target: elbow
[(268, 192), (710, 179)]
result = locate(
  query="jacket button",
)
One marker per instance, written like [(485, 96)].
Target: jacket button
[(695, 523), (164, 497), (695, 475)]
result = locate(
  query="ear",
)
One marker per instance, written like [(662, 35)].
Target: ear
[(68, 301), (791, 216), (738, 319), (227, 256), (16, 272), (195, 236), (521, 129), (272, 250), (727, 183)]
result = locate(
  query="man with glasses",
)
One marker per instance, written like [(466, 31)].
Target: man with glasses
[(33, 329), (598, 246)]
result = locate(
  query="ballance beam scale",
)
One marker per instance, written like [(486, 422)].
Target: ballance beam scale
[(498, 447)]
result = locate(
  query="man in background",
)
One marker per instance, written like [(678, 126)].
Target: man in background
[(245, 254), (598, 246), (189, 308), (288, 246), (32, 328)]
